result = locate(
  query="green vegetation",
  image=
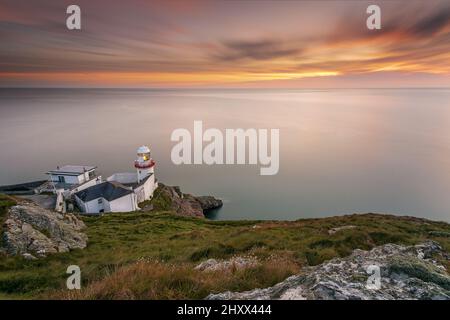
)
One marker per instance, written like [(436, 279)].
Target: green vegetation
[(161, 201), (151, 255), (421, 271), (5, 203)]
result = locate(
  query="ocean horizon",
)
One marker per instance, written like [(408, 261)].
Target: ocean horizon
[(342, 151)]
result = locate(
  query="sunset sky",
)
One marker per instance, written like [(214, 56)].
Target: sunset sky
[(261, 44)]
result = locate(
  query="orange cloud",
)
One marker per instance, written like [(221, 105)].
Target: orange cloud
[(194, 44)]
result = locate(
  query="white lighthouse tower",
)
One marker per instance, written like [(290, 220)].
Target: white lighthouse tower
[(144, 164)]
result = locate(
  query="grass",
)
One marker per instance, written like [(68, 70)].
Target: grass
[(151, 255), (5, 203), (157, 280), (161, 201), (419, 270)]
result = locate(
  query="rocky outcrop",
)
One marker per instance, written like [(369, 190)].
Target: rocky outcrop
[(337, 229), (186, 204), (406, 273), (209, 202), (31, 231), (234, 263)]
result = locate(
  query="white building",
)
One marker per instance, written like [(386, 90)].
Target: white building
[(73, 178), (107, 197), (69, 179), (122, 192)]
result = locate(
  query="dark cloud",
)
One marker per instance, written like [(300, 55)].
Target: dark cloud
[(417, 21), (256, 50), (433, 23)]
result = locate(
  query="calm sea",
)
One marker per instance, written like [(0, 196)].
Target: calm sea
[(341, 151)]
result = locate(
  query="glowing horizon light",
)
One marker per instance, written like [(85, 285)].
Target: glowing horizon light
[(279, 45)]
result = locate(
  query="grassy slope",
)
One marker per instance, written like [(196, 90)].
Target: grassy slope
[(151, 255)]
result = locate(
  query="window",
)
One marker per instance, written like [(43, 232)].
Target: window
[(100, 201), (61, 179)]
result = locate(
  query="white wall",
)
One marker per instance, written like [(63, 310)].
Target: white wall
[(142, 173), (149, 187), (124, 177), (68, 179), (124, 204), (71, 179), (145, 192), (140, 194), (90, 206)]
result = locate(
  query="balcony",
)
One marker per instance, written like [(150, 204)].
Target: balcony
[(144, 165)]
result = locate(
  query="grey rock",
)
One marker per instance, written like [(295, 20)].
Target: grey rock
[(337, 229), (33, 230), (28, 256), (227, 265), (406, 273), (186, 204), (209, 202)]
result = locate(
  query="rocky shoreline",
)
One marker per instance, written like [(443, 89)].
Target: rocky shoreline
[(184, 204)]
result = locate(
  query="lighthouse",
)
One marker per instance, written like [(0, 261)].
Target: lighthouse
[(121, 192), (144, 164)]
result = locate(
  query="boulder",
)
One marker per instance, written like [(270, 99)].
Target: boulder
[(31, 231), (28, 256), (337, 229), (227, 265)]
